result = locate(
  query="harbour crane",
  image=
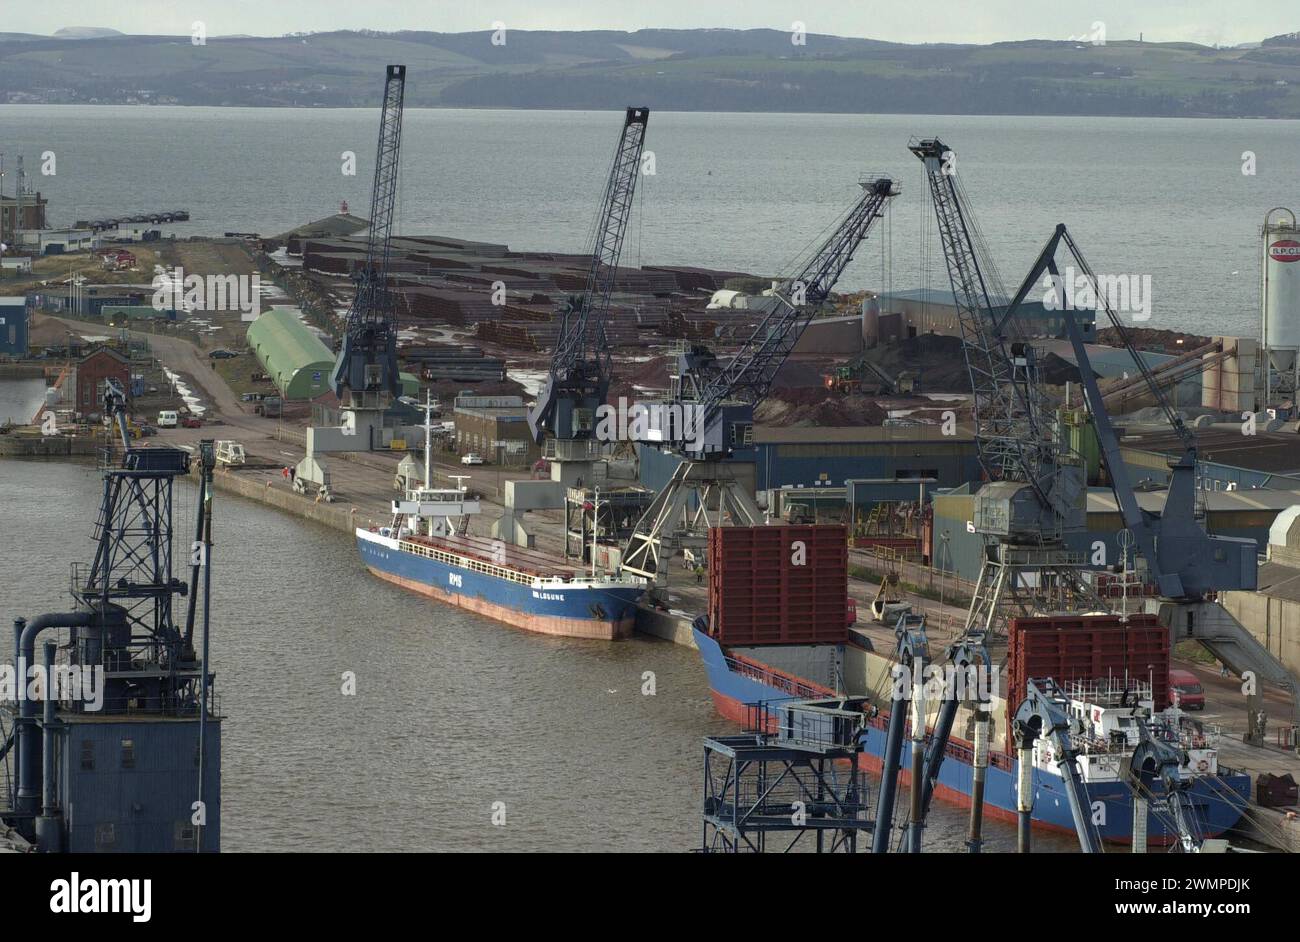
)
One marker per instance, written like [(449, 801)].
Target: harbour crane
[(710, 412), (1185, 561), (1036, 487), (966, 655), (580, 369), (366, 367), (366, 377), (913, 655)]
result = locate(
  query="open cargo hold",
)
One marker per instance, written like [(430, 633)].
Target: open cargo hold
[(778, 584), (1086, 647)]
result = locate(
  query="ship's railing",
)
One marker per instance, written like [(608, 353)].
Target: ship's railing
[(818, 725), (1108, 691), (150, 706), (765, 675), (180, 708)]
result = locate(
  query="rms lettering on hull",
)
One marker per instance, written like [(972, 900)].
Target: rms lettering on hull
[(548, 596)]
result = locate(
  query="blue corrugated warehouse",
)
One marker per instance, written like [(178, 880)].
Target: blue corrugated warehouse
[(813, 455), (15, 323)]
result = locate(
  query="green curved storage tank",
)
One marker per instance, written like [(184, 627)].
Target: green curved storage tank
[(291, 354)]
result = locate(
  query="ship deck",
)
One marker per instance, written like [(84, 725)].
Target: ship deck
[(499, 553)]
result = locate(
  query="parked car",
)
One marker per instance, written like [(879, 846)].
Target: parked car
[(472, 458), (1186, 686), (222, 354), (168, 419), (191, 422)]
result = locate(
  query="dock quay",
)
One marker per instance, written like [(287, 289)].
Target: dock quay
[(902, 488), (365, 487)]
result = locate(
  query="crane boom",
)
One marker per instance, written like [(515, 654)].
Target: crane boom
[(1185, 561), (581, 366), (367, 361), (1013, 433), (711, 411), (746, 378)]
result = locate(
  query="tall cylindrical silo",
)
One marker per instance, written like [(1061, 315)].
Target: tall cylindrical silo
[(1280, 302)]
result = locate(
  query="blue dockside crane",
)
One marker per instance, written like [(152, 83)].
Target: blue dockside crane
[(1036, 488), (366, 371), (710, 412), (366, 377), (564, 416)]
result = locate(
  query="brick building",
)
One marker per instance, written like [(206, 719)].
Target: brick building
[(33, 215), (495, 427), (95, 367)]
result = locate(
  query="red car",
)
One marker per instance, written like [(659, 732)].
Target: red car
[(1186, 688), (190, 422)]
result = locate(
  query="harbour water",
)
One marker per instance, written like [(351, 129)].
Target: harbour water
[(452, 713), (736, 191), (19, 399)]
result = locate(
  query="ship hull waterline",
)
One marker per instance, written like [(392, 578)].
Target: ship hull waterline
[(733, 692), (595, 612)]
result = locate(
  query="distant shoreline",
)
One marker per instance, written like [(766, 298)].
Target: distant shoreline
[(661, 111)]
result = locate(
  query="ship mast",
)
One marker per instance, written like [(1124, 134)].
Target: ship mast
[(428, 408)]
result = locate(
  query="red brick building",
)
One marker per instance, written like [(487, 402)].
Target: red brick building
[(33, 215), (95, 367)]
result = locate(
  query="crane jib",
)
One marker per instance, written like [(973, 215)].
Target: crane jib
[(367, 361), (581, 362)]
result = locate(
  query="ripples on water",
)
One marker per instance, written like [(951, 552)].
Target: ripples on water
[(453, 712)]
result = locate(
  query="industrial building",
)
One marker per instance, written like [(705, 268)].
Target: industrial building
[(29, 213), (1228, 459), (1272, 612), (957, 548), (818, 456), (98, 365), (90, 300), (898, 315), (496, 428), (15, 324), (56, 241), (291, 354)]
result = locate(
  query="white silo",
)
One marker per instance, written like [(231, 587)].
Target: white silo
[(871, 319), (1280, 302)]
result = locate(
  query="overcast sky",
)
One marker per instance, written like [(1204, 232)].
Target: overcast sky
[(977, 21)]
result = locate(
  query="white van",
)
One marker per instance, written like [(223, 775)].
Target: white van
[(168, 419)]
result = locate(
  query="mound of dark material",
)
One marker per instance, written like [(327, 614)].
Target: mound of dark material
[(936, 360)]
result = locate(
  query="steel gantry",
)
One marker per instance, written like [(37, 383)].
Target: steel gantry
[(710, 412), (580, 370)]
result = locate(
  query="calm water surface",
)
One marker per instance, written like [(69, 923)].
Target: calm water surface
[(453, 712)]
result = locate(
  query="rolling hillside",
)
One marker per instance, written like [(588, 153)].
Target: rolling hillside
[(700, 70)]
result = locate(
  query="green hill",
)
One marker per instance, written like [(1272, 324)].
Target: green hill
[(692, 70)]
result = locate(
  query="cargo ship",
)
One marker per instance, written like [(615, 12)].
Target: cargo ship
[(1219, 794), (774, 632), (425, 550)]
